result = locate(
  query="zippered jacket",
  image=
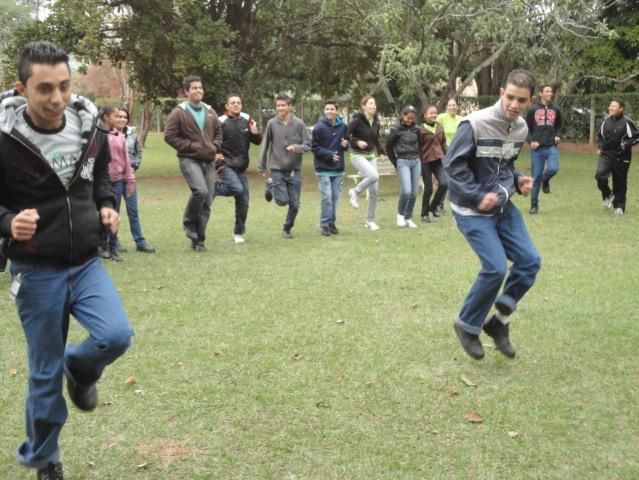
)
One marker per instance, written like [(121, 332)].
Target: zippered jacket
[(360, 129), (184, 135), (404, 142), (481, 157), (544, 123), (433, 144), (133, 146), (237, 139), (326, 142), (278, 136), (69, 229), (614, 132)]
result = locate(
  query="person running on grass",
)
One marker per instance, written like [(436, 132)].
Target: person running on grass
[(432, 153), (481, 180)]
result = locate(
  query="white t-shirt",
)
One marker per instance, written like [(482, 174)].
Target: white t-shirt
[(61, 147)]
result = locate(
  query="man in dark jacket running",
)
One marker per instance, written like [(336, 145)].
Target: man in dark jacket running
[(55, 200), (615, 139)]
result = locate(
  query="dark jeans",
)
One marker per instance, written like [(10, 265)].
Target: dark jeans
[(428, 170), (234, 183), (496, 239), (287, 190), (619, 170), (199, 177)]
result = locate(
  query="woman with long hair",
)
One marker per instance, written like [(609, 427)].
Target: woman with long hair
[(433, 150)]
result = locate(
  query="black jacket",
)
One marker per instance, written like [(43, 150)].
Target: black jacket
[(360, 129), (404, 142), (544, 123), (69, 228), (613, 132), (237, 139)]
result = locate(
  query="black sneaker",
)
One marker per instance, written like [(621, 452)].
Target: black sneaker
[(198, 246), (470, 343), (426, 218), (436, 212), (545, 186), (326, 231), (53, 471), (534, 210), (120, 249), (145, 249), (190, 232), (104, 254), (115, 256), (268, 196), (333, 229), (287, 234), (499, 332), (85, 397)]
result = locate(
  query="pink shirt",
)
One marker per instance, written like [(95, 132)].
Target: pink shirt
[(120, 167)]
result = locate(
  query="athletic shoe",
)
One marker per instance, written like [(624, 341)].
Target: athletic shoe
[(85, 397), (618, 212), (372, 226), (411, 224), (534, 210), (238, 239), (436, 212), (333, 229), (268, 196), (425, 218), (190, 232), (499, 332), (401, 221), (145, 249), (352, 198), (545, 186), (198, 246), (115, 257), (120, 249), (287, 234), (53, 471), (104, 254), (607, 203), (470, 343), (326, 231)]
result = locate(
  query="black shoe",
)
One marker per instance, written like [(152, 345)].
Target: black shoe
[(145, 249), (499, 332), (333, 229), (268, 196), (198, 246), (190, 232), (53, 471), (287, 234), (115, 257), (425, 218), (436, 213), (85, 397), (545, 186), (470, 342), (105, 254), (326, 231), (120, 249), (534, 210)]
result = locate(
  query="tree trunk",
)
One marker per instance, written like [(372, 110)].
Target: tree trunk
[(147, 118)]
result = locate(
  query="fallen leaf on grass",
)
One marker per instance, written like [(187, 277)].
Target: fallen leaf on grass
[(107, 403), (160, 287), (131, 381), (434, 432), (453, 394), (370, 382), (111, 445), (323, 404), (13, 372), (467, 381), (143, 465), (139, 392), (339, 321), (488, 345), (217, 354), (513, 434), (297, 356), (414, 305), (91, 464), (473, 417)]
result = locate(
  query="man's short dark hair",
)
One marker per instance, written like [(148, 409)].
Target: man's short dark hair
[(521, 78), (620, 101), (186, 83), (41, 52), (283, 96), (231, 95), (544, 85), (335, 103)]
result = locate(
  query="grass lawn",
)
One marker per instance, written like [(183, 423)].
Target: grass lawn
[(335, 358)]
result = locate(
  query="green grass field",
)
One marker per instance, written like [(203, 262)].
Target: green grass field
[(335, 358)]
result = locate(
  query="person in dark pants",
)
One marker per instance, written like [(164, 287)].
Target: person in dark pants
[(544, 125), (481, 179), (55, 200), (432, 153), (194, 131), (239, 130), (285, 140), (615, 139)]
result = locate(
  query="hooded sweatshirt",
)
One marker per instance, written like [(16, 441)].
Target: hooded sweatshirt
[(326, 142), (277, 137)]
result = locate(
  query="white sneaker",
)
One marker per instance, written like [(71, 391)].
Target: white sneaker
[(372, 226), (411, 224), (607, 203), (401, 221), (238, 239), (352, 198), (618, 212)]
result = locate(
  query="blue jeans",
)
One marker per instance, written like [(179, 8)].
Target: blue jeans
[(409, 174), (46, 297), (542, 157), (287, 190), (234, 183), (330, 188), (131, 202), (496, 239)]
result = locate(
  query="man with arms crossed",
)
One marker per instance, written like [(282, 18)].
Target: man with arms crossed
[(481, 179), (55, 199)]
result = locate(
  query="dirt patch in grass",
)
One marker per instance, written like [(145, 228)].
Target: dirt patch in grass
[(166, 452)]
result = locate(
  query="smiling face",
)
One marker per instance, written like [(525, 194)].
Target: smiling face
[(614, 109), (234, 105), (370, 107), (283, 108), (431, 115), (514, 100), (47, 91), (546, 95), (330, 112), (409, 118), (121, 119), (452, 108), (195, 93)]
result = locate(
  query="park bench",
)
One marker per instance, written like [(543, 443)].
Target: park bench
[(384, 168)]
